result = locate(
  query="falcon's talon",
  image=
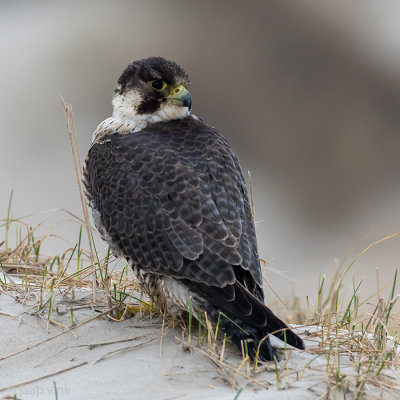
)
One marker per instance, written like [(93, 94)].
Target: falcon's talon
[(141, 308), (167, 193)]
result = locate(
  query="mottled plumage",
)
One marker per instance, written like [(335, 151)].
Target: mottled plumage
[(168, 194)]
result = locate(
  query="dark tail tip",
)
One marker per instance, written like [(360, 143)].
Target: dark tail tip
[(263, 346), (291, 338), (279, 329)]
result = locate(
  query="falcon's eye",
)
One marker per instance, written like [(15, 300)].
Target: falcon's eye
[(157, 84)]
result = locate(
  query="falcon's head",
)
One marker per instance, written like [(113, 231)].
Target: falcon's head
[(152, 90)]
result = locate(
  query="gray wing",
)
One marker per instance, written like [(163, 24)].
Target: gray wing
[(173, 199)]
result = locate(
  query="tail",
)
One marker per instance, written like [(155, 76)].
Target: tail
[(258, 339), (244, 318)]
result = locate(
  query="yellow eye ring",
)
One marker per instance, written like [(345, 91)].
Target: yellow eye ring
[(157, 84)]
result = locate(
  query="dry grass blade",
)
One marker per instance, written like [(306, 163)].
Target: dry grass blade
[(78, 168), (246, 359), (122, 350), (58, 334), (43, 377)]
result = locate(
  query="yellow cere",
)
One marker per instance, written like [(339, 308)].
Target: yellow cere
[(178, 89)]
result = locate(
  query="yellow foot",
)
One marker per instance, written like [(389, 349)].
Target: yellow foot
[(142, 308)]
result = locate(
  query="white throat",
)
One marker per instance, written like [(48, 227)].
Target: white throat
[(125, 118)]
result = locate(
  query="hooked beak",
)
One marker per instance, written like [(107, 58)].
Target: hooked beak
[(181, 97)]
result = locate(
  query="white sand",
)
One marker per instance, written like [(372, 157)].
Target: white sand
[(137, 371)]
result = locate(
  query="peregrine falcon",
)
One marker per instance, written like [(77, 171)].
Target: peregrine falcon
[(167, 193)]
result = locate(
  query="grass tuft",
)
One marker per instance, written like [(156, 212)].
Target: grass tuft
[(359, 349)]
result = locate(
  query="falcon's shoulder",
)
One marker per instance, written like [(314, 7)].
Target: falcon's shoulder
[(173, 198)]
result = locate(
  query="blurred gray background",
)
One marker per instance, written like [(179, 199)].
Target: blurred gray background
[(307, 93)]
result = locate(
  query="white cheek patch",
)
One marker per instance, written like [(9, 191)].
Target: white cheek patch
[(125, 105), (125, 118)]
